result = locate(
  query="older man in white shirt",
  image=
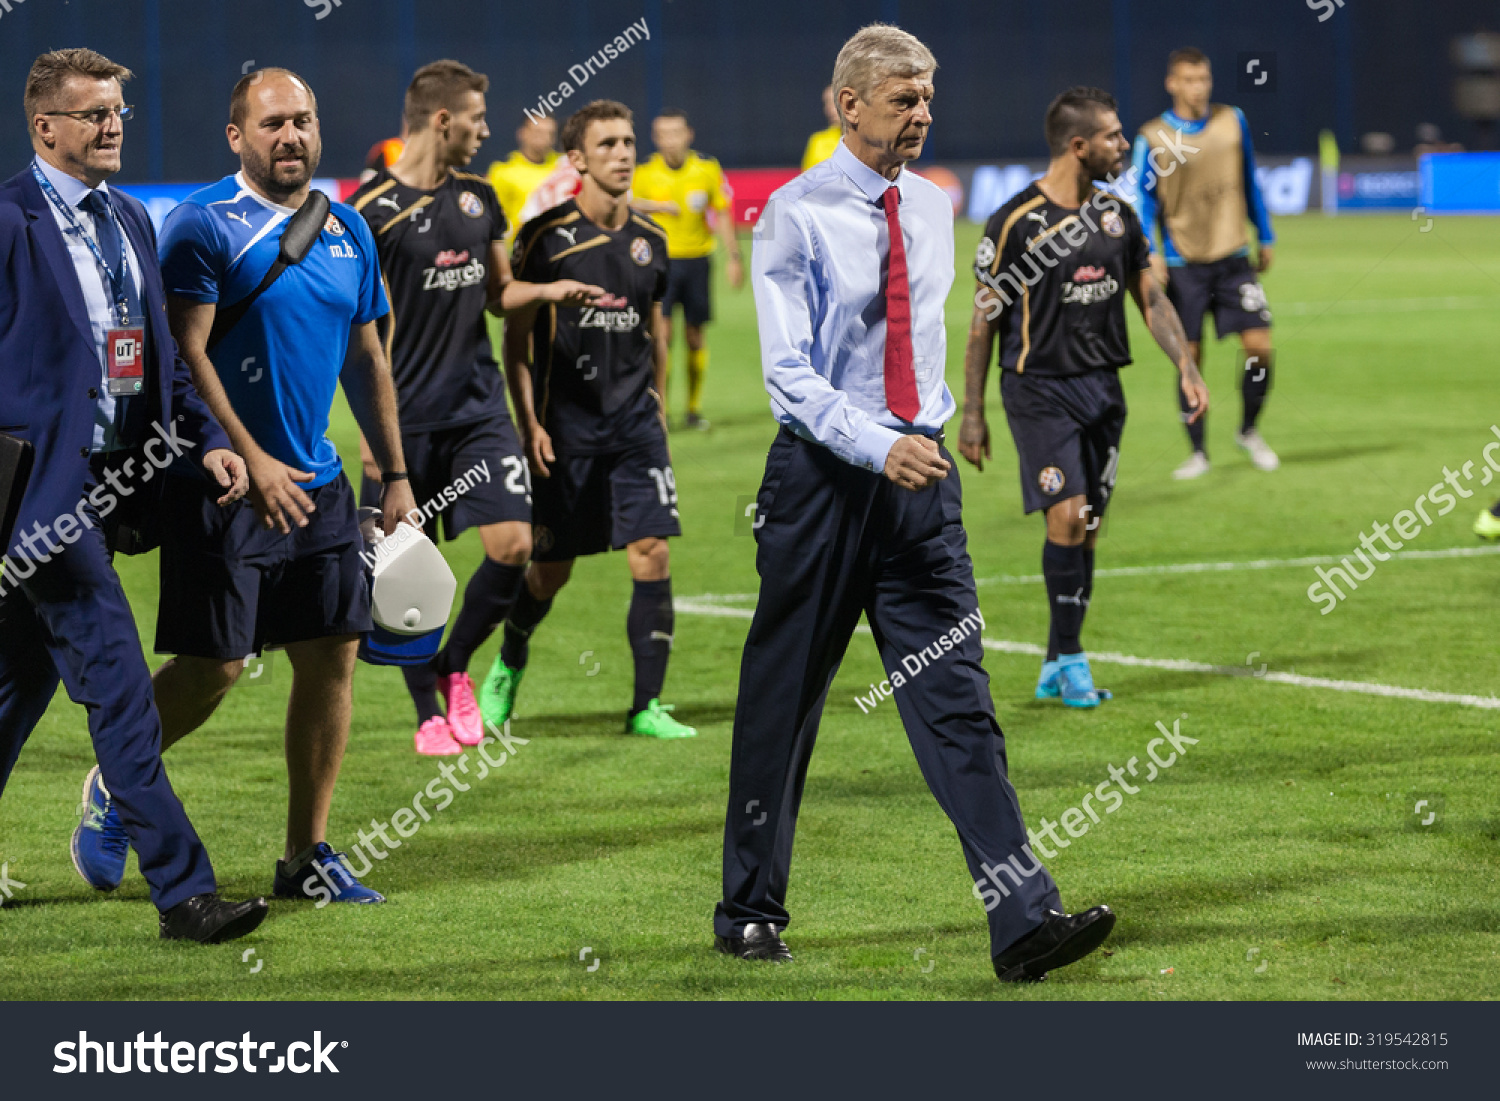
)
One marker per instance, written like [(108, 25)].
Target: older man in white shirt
[(860, 511)]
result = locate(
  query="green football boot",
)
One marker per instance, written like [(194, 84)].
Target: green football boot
[(497, 695), (654, 722)]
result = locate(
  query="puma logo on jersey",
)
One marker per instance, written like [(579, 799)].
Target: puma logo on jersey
[(1038, 216), (570, 234), (452, 279), (240, 217), (386, 200)]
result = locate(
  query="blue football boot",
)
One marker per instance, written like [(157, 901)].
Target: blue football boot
[(1076, 682), (323, 879), (100, 844)]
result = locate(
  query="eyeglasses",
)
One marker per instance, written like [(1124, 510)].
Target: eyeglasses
[(98, 116)]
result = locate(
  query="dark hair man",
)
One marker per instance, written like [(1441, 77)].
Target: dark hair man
[(588, 399), (441, 236), (1195, 180), (1052, 266)]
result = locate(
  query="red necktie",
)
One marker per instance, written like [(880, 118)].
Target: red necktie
[(900, 380)]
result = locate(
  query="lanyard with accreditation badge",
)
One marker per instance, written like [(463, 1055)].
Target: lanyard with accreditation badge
[(125, 342)]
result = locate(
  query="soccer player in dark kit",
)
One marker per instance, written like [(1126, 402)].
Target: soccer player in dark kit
[(591, 413), (440, 233), (1052, 266)]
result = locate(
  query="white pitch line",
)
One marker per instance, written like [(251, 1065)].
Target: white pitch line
[(1257, 564), (712, 607), (1386, 305)]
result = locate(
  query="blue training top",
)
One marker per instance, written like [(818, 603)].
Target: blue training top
[(280, 364)]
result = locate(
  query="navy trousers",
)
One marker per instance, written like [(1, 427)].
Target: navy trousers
[(834, 541), (69, 621)]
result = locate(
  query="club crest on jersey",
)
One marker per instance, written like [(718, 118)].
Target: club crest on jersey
[(469, 203), (984, 255), (334, 226), (640, 251), (1112, 223), (1051, 481)]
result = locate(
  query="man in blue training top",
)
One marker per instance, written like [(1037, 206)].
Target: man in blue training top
[(1195, 178), (284, 569)]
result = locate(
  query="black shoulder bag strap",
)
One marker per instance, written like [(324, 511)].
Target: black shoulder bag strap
[(297, 239)]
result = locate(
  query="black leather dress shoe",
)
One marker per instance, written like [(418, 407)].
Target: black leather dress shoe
[(760, 942), (209, 919), (1061, 939)]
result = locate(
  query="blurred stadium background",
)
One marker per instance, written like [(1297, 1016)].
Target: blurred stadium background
[(1387, 79)]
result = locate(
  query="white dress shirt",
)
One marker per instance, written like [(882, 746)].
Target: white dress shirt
[(93, 280), (819, 266)]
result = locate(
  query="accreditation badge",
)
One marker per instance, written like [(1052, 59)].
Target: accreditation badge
[(125, 359)]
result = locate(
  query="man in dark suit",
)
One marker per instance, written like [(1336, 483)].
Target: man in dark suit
[(90, 376)]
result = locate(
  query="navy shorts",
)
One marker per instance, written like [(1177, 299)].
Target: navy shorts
[(1067, 432), (467, 476), (1229, 287), (595, 503), (231, 588), (688, 283)]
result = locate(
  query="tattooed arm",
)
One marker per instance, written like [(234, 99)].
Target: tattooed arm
[(1166, 327), (974, 434)]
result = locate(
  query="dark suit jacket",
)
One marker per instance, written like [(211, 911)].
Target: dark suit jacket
[(48, 362)]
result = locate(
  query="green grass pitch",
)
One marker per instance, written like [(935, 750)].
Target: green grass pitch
[(1279, 859)]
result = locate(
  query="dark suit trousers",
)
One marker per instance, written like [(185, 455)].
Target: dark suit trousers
[(70, 621), (836, 540)]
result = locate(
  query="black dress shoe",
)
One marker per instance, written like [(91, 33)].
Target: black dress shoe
[(760, 942), (209, 919), (1061, 939)]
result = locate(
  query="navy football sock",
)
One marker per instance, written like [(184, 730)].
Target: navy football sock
[(1088, 583), (1064, 570), (1195, 431), (1255, 385), (524, 616), (649, 626), (421, 682), (487, 598)]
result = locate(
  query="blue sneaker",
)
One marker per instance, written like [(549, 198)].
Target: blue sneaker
[(1048, 685), (1077, 682), (325, 878), (100, 843)]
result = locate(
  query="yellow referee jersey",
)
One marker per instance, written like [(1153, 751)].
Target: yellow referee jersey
[(696, 187), (514, 180), (821, 146)]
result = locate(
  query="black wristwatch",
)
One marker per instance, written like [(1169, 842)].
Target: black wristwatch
[(393, 476)]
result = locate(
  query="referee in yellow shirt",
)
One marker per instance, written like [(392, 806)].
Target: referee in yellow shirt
[(822, 144), (532, 161), (678, 188)]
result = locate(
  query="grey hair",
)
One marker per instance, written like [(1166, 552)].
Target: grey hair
[(875, 53)]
